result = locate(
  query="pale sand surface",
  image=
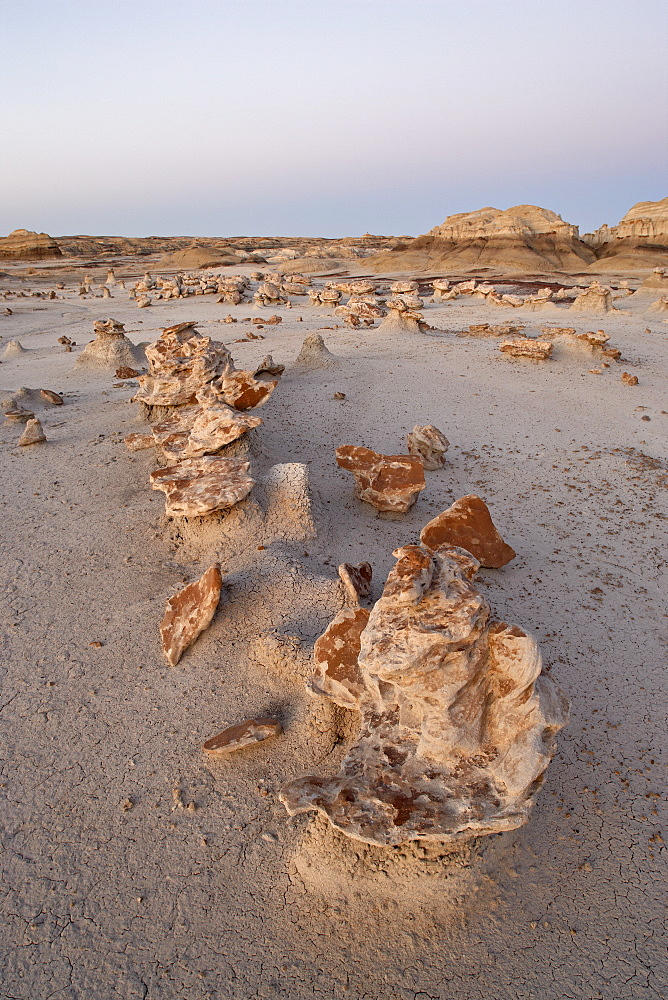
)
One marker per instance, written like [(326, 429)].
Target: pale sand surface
[(232, 898)]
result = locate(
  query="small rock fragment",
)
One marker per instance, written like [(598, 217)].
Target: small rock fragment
[(17, 414), (468, 525), (245, 734), (269, 367), (429, 444), (33, 433), (524, 347), (51, 397), (629, 379), (189, 612), (356, 580), (339, 395), (138, 442), (387, 482), (125, 372)]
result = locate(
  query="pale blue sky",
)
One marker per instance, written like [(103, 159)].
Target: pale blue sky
[(305, 117)]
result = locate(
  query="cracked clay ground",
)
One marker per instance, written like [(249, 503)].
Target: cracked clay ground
[(136, 869)]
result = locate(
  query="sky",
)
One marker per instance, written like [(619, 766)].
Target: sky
[(326, 117)]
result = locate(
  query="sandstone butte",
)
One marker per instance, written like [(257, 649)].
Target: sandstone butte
[(189, 612), (198, 486), (23, 244), (458, 719), (387, 482), (244, 734), (429, 444), (356, 580), (468, 525)]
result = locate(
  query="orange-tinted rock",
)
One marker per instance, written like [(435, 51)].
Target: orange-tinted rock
[(468, 525), (486, 330), (189, 612), (202, 429), (124, 372), (628, 379), (199, 486), (245, 734), (181, 362), (138, 442), (243, 391), (429, 444), (356, 580), (457, 719), (33, 433), (335, 654), (269, 367), (387, 482), (523, 347)]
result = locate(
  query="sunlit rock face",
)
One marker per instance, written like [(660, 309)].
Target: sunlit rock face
[(387, 482), (457, 717)]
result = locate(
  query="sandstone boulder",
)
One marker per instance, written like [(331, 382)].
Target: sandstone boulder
[(468, 525), (595, 299), (387, 482), (458, 720), (198, 486), (356, 580), (189, 612), (524, 347), (33, 433), (181, 361), (428, 444)]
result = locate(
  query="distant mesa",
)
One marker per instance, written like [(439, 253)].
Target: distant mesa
[(197, 255), (524, 238), (638, 242), (25, 245)]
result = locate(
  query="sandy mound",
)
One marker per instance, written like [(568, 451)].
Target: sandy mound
[(197, 255), (25, 245), (525, 238)]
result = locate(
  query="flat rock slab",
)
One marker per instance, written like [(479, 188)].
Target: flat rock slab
[(356, 580), (245, 734), (199, 486), (524, 347), (468, 524), (387, 482), (189, 612)]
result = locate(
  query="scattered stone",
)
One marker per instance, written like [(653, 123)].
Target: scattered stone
[(356, 580), (125, 373), (628, 379), (49, 396), (429, 444), (144, 301), (339, 395), (189, 612), (17, 414), (269, 367), (200, 486), (523, 347), (243, 391), (458, 720), (487, 330), (595, 299), (245, 734), (387, 482), (267, 321), (468, 525), (33, 433)]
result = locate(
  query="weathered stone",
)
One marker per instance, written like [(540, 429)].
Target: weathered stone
[(189, 612), (524, 347), (181, 361), (401, 318), (400, 287), (468, 525), (314, 354), (111, 348), (429, 444), (269, 367), (17, 414), (243, 391), (138, 442), (33, 433), (144, 301), (486, 330), (49, 396), (356, 580), (628, 379), (200, 486), (245, 734), (14, 349), (387, 482), (595, 299), (124, 372), (458, 720)]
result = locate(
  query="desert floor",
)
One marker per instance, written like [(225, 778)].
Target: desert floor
[(134, 866)]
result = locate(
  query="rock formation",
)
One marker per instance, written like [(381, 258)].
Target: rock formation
[(111, 348), (189, 612), (356, 580), (33, 433), (591, 344), (199, 486), (468, 525), (524, 238), (482, 330), (524, 347), (401, 318), (314, 354), (181, 362), (595, 299), (25, 245), (458, 720), (14, 349), (629, 379), (428, 444), (245, 734), (387, 482), (202, 429)]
